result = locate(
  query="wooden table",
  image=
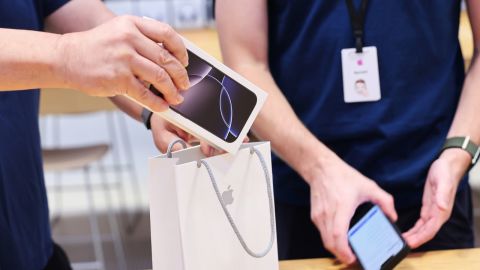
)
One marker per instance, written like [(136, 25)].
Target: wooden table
[(461, 259)]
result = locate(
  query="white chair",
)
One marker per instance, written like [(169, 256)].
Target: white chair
[(58, 159)]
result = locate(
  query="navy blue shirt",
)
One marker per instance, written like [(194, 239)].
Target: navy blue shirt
[(25, 240), (395, 140)]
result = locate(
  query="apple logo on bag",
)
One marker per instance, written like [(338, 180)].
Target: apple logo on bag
[(227, 196)]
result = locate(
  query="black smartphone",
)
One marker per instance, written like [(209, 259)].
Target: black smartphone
[(376, 241)]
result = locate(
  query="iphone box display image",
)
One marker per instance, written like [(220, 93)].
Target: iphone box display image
[(220, 105)]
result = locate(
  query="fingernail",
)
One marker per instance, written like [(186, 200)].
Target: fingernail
[(180, 99), (148, 18), (186, 84)]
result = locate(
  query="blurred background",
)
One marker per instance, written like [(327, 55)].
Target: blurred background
[(180, 14), (96, 158)]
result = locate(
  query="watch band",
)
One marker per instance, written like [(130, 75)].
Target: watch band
[(146, 117), (463, 143)]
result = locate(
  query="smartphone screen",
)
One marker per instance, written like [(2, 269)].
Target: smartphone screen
[(376, 241), (215, 101)]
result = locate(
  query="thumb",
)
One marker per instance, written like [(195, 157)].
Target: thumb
[(207, 150), (381, 198), (165, 138)]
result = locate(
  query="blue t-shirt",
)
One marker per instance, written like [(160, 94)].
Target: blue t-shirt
[(395, 140), (25, 240)]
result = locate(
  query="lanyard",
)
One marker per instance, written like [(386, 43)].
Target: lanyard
[(358, 19)]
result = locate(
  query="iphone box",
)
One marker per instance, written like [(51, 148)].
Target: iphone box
[(220, 105)]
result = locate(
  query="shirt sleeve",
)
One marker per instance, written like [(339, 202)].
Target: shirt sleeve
[(50, 6)]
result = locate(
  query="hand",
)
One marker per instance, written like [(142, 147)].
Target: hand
[(115, 58), (210, 151), (336, 192), (438, 196), (164, 133)]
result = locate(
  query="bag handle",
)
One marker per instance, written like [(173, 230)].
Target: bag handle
[(172, 144), (239, 236)]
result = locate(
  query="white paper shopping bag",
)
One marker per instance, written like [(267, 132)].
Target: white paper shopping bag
[(213, 213)]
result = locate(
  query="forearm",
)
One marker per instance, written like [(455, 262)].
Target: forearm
[(466, 117), (278, 123), (466, 121), (247, 53), (30, 59)]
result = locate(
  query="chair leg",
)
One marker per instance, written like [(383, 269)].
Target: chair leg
[(112, 220), (133, 175), (58, 199), (476, 201), (132, 220), (93, 219), (116, 160)]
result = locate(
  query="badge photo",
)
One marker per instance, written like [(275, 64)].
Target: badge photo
[(361, 80)]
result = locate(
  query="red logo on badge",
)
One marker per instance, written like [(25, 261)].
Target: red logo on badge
[(360, 62)]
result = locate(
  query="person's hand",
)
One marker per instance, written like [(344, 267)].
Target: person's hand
[(165, 132), (438, 196), (336, 191), (116, 57), (210, 151)]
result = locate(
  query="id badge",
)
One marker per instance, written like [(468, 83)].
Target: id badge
[(361, 80)]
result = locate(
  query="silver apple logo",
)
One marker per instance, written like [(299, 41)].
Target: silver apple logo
[(227, 196)]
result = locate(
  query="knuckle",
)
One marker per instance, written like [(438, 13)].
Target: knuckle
[(143, 93), (124, 29), (343, 253), (125, 18), (110, 76), (127, 35), (122, 17), (315, 216), (168, 31), (122, 25), (163, 57), (127, 56), (337, 233), (181, 73), (329, 245), (122, 75), (116, 75), (161, 76)]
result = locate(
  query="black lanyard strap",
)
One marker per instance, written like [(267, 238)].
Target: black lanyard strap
[(358, 21)]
